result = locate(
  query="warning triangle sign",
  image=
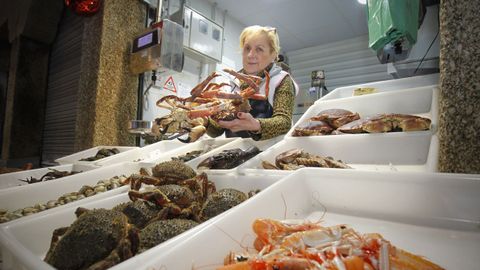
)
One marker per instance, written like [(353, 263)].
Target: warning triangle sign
[(170, 85)]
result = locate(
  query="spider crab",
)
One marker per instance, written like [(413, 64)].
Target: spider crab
[(190, 115), (177, 189), (97, 239)]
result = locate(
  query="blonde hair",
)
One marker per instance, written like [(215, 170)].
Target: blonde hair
[(256, 30)]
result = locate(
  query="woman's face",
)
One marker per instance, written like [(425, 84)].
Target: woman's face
[(256, 54)]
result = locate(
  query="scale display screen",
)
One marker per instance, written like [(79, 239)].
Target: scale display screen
[(147, 40)]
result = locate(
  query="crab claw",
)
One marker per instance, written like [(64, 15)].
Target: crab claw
[(194, 134)]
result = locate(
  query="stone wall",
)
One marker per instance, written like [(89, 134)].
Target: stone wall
[(108, 91), (459, 121)]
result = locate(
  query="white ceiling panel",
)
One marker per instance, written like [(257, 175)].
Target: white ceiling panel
[(301, 23)]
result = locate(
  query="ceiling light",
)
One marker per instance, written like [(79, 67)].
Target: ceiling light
[(363, 2)]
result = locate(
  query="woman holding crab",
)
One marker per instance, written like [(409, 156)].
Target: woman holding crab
[(270, 116)]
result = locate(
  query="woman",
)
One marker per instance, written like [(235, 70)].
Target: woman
[(270, 117)]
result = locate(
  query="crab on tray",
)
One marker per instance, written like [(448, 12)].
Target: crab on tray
[(405, 110)]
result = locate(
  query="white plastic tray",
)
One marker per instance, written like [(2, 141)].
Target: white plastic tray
[(434, 215), (242, 143), (14, 179), (204, 144), (142, 154), (28, 195), (378, 152), (75, 158), (422, 101), (385, 86), (24, 243)]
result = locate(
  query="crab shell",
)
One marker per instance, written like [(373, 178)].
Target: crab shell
[(220, 201), (139, 213), (312, 128), (160, 231), (387, 123), (173, 171), (336, 117)]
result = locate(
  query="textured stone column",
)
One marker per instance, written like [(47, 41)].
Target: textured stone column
[(459, 121), (107, 90)]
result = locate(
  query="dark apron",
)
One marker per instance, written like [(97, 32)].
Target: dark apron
[(260, 109)]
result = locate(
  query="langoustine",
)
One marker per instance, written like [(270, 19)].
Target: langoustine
[(283, 246)]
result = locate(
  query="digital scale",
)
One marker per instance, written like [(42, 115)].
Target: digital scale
[(159, 48)]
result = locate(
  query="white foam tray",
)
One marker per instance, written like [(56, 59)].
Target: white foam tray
[(14, 179), (198, 145), (385, 86), (24, 243), (143, 154), (422, 101), (14, 198), (434, 215), (75, 158), (242, 143), (415, 151)]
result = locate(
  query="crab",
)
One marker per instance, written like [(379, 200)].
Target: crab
[(387, 123), (139, 213), (221, 201), (182, 199), (97, 239), (336, 117), (325, 122), (160, 231), (297, 158), (190, 115), (312, 128)]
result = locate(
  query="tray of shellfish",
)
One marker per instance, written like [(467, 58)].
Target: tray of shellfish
[(405, 111), (142, 154), (160, 210), (21, 201), (34, 176), (94, 154), (191, 151), (331, 219), (227, 158), (415, 152)]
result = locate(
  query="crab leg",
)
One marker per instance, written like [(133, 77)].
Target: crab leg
[(220, 94), (197, 90), (257, 96), (215, 86), (248, 79)]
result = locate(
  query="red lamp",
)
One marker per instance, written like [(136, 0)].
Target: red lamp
[(84, 7)]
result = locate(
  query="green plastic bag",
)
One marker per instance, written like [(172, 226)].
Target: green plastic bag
[(391, 20)]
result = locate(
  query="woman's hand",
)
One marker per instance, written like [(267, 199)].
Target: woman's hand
[(245, 121)]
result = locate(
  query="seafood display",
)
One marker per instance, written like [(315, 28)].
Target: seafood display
[(53, 174), (189, 115), (175, 199), (283, 245), (228, 159), (297, 158), (83, 192), (339, 121), (102, 153)]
